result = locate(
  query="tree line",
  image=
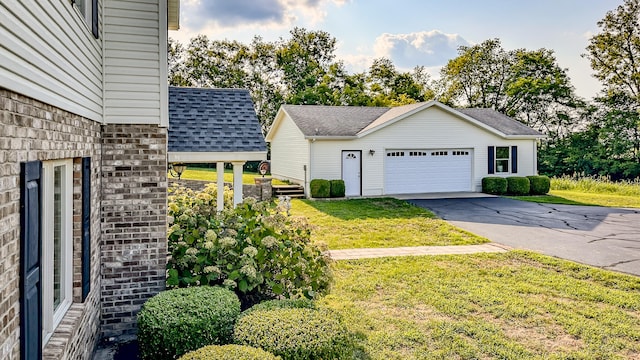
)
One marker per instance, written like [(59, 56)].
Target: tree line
[(594, 137)]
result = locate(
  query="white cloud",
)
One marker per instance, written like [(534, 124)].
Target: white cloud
[(426, 48), (205, 16)]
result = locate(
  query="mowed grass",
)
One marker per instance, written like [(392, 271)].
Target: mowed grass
[(206, 174), (589, 191), (382, 223), (515, 305)]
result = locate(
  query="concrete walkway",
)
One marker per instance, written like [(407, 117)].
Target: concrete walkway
[(350, 254)]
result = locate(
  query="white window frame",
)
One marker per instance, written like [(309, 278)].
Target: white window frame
[(51, 317), (85, 10), (508, 158)]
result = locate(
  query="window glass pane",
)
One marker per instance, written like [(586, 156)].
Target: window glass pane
[(57, 235), (502, 166), (502, 152)]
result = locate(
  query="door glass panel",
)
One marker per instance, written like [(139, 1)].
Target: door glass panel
[(57, 235)]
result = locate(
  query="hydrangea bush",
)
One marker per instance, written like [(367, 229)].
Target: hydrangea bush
[(254, 249)]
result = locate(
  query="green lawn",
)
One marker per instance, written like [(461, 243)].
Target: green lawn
[(367, 223), (588, 191), (212, 175), (515, 305)]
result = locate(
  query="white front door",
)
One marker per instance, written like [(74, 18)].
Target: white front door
[(351, 169)]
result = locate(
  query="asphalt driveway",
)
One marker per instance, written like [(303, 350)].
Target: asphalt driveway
[(605, 237)]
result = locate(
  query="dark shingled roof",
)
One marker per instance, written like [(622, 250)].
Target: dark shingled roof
[(213, 120), (332, 120), (498, 121), (350, 121)]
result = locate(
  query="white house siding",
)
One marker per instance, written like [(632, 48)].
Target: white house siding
[(289, 152), (431, 128), (56, 62), (135, 65)]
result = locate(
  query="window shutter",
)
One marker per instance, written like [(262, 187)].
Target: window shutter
[(30, 248), (514, 159), (492, 160), (94, 18), (86, 227)]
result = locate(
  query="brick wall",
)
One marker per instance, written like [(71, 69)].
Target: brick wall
[(134, 223), (31, 130)]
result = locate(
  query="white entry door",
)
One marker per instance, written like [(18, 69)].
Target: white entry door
[(351, 170)]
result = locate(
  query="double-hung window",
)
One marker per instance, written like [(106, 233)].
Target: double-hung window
[(502, 159), (57, 243)]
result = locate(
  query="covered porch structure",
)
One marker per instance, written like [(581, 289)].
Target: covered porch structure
[(215, 126)]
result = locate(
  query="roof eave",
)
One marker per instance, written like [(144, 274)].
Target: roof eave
[(213, 156), (525, 137), (330, 137)]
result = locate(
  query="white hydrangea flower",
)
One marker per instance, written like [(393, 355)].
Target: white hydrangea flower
[(249, 271), (210, 235), (250, 250), (192, 251), (269, 241)]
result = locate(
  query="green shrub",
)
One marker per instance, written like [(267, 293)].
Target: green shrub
[(296, 334), (228, 352), (337, 188), (518, 185), (320, 188), (255, 249), (281, 304), (494, 185), (174, 322), (540, 185)]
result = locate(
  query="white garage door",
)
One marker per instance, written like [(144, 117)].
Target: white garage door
[(426, 171)]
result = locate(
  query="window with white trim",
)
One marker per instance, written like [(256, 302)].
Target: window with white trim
[(503, 158), (89, 11), (57, 243), (84, 7)]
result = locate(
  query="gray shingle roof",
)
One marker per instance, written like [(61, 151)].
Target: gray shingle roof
[(500, 122), (213, 120), (349, 121), (332, 120)]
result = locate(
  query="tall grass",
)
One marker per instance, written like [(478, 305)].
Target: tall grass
[(597, 185)]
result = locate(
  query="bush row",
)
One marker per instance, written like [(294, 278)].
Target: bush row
[(321, 188), (516, 185), (205, 322)]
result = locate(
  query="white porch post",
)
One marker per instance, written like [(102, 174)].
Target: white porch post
[(237, 182), (220, 172)]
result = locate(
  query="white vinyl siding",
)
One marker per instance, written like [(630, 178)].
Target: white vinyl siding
[(49, 53), (135, 62), (431, 128), (290, 152)]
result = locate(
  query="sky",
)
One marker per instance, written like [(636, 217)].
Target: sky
[(411, 32)]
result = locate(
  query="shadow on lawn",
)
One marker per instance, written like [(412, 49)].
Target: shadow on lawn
[(373, 208)]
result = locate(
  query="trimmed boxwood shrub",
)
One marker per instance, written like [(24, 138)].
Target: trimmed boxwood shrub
[(282, 304), (320, 188), (518, 185), (337, 188), (494, 185), (540, 185), (228, 352), (176, 321), (296, 334)]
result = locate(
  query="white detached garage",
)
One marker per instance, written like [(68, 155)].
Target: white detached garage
[(418, 148)]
